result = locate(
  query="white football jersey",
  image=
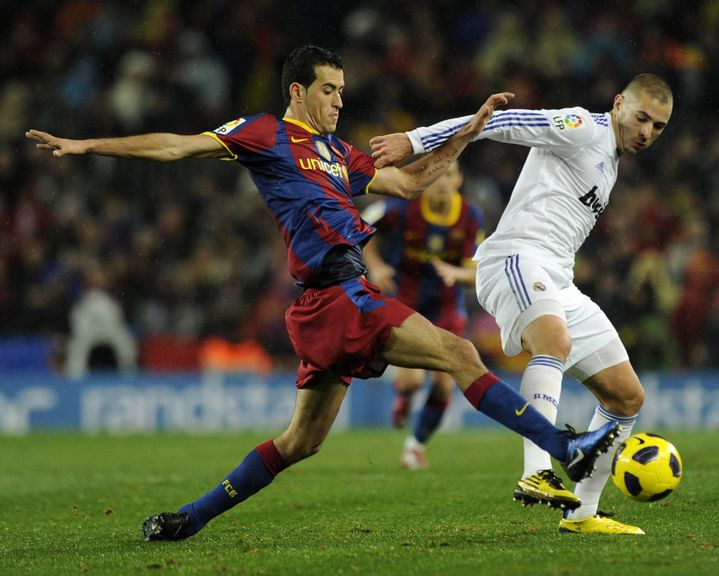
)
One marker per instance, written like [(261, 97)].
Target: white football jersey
[(563, 188)]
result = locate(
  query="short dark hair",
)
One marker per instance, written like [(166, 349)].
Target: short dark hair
[(300, 66), (655, 85)]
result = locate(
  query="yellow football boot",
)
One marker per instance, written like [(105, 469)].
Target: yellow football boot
[(545, 487), (600, 523)]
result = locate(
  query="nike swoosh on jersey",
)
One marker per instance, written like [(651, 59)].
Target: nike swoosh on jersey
[(521, 411), (297, 140)]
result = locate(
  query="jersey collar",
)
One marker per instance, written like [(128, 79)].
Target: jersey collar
[(301, 125), (448, 219)]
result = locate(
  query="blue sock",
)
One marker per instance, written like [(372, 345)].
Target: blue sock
[(502, 403), (429, 418), (251, 476)]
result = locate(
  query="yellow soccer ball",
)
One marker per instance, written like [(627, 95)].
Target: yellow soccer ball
[(646, 467)]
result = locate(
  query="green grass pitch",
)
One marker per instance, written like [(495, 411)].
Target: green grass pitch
[(73, 504)]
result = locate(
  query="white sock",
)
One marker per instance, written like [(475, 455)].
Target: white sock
[(590, 489), (541, 385), (411, 443)]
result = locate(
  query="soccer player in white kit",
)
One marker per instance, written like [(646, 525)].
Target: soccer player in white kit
[(525, 270)]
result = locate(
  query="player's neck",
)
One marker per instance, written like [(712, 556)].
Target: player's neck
[(299, 114), (617, 127)]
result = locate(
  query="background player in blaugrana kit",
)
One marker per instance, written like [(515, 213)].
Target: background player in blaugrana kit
[(422, 254), (525, 269), (341, 326)]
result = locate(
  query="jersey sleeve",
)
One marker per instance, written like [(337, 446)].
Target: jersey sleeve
[(564, 128), (247, 138), (361, 170)]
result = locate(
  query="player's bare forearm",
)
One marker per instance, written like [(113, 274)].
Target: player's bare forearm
[(161, 147)]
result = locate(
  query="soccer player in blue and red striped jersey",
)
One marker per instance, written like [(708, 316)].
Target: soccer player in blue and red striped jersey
[(341, 326), (422, 254)]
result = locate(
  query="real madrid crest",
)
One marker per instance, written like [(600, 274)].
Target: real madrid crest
[(323, 150)]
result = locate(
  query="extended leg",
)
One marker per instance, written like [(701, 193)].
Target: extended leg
[(316, 408), (417, 343), (620, 396), (547, 339)]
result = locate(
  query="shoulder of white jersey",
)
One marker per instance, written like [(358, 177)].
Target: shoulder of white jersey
[(577, 124)]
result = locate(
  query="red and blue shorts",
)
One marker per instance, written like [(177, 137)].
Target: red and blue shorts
[(342, 329)]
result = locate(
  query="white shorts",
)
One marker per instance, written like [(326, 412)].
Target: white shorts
[(517, 290)]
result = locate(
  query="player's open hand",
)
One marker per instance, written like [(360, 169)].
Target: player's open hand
[(59, 146), (483, 115), (445, 271), (390, 149)]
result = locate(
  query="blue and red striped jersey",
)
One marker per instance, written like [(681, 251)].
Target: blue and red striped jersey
[(307, 181), (412, 235)]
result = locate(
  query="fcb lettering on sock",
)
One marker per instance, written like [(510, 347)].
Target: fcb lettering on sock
[(254, 473)]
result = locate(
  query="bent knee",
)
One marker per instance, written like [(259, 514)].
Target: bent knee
[(548, 335), (634, 401), (465, 352), (627, 403), (558, 345)]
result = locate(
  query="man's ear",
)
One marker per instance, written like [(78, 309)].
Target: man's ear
[(297, 92), (618, 101)]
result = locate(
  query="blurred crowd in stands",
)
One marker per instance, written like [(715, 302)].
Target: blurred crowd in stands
[(186, 253)]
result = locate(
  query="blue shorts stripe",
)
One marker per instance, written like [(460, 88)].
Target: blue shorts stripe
[(516, 289), (520, 304), (520, 280)]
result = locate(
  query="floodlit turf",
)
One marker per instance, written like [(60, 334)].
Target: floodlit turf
[(73, 504)]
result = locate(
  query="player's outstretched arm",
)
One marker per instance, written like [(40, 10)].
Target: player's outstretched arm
[(162, 147), (409, 181)]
